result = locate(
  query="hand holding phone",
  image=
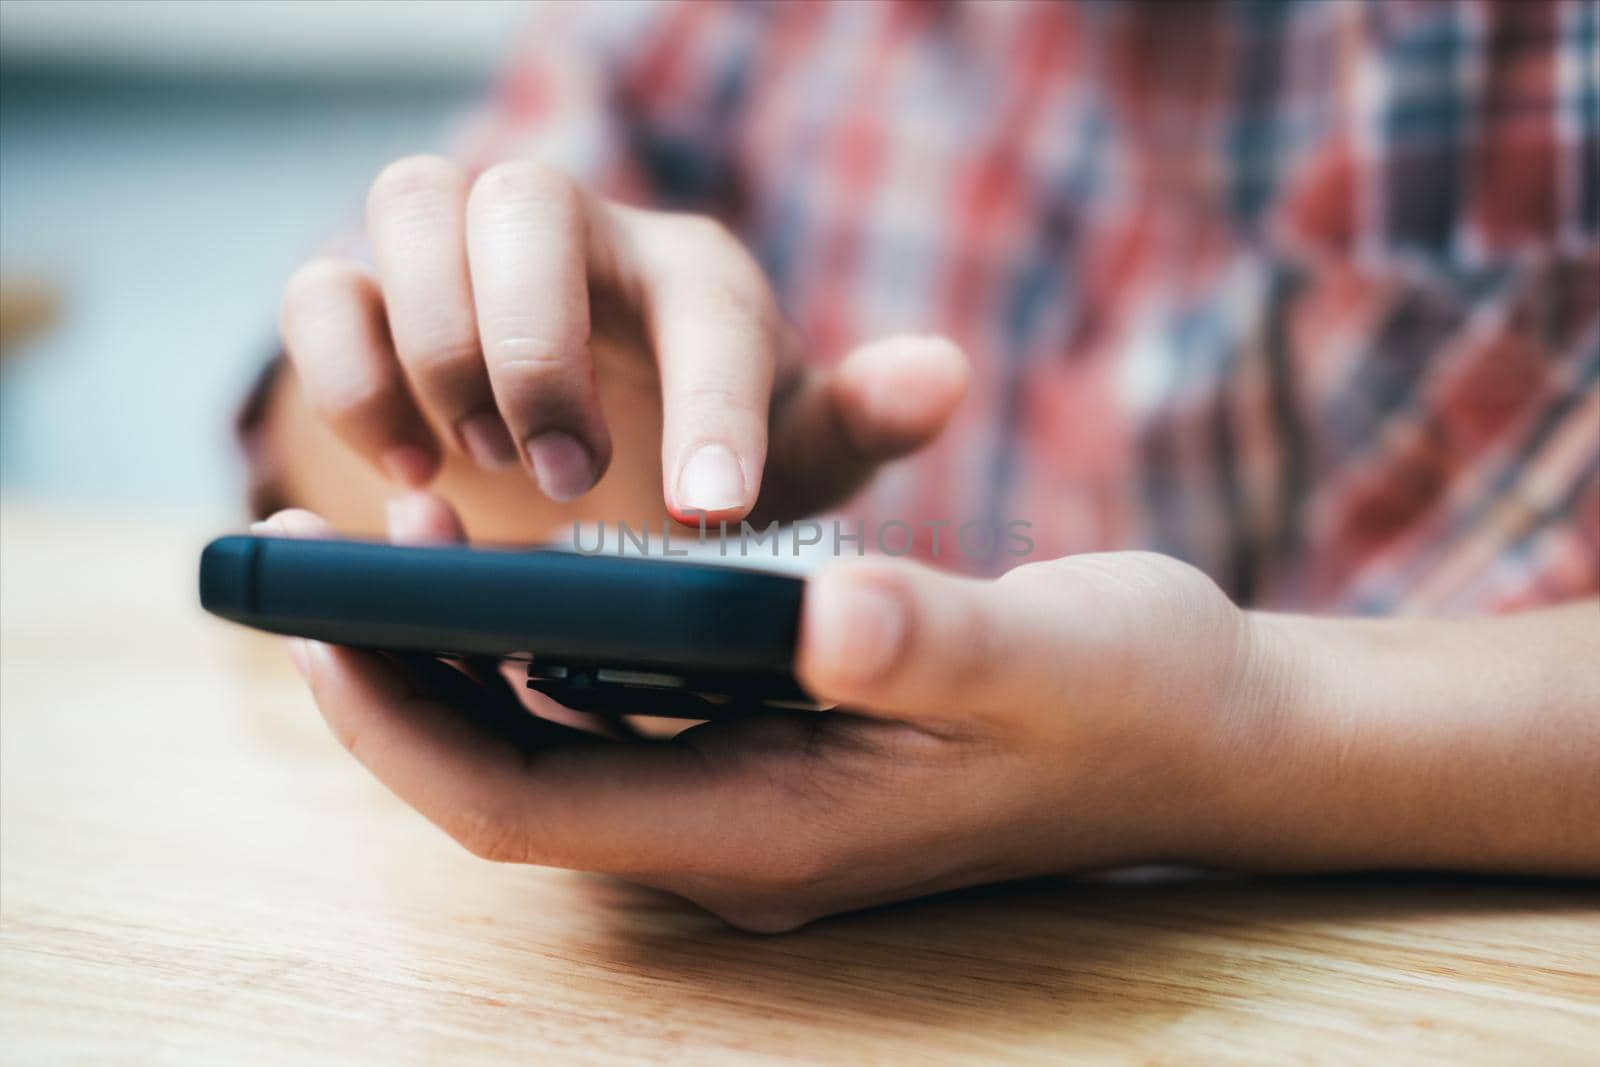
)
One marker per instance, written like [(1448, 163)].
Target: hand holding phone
[(1077, 714)]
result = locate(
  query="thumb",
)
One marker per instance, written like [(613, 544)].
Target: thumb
[(835, 428), (909, 642)]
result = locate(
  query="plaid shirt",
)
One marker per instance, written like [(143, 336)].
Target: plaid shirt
[(1307, 294)]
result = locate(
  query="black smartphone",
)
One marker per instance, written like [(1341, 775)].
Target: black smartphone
[(599, 633)]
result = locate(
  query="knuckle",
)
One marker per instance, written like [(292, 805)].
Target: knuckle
[(743, 296), (711, 402), (704, 240), (700, 260), (971, 661), (526, 354), (411, 178), (443, 359), (534, 381), (353, 398), (701, 231), (317, 283), (1028, 575), (528, 181), (1117, 577)]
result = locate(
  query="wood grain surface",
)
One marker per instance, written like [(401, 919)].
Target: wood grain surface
[(192, 871)]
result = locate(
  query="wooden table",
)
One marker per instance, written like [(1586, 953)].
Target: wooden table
[(192, 871)]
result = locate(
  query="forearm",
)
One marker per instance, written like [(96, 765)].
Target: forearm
[(1411, 743)]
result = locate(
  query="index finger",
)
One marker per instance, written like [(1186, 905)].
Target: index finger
[(716, 332)]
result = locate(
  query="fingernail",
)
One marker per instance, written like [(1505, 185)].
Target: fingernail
[(263, 528), (561, 465), (487, 441), (855, 628), (711, 481), (300, 656), (409, 465)]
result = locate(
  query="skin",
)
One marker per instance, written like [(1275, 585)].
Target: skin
[(1074, 714), (538, 354)]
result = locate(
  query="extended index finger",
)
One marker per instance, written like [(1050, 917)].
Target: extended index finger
[(716, 331)]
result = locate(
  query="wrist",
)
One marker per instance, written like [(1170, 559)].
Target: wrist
[(1410, 744), (1274, 734), (1209, 777)]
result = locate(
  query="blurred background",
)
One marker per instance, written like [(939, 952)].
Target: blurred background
[(164, 166)]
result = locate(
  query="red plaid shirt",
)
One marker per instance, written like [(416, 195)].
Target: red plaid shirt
[(1307, 294)]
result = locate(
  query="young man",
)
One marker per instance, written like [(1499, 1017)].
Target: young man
[(1300, 301)]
